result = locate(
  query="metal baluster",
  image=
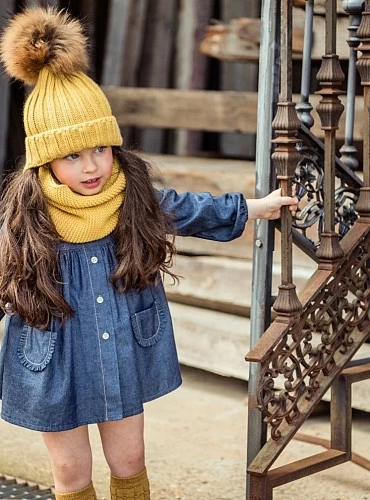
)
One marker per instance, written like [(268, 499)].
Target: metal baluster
[(263, 231), (330, 109), (348, 150), (285, 159), (304, 108), (363, 66)]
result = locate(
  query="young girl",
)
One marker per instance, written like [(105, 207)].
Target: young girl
[(84, 240)]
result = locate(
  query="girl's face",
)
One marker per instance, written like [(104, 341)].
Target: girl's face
[(85, 172)]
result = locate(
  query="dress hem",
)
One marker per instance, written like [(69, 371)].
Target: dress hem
[(136, 411)]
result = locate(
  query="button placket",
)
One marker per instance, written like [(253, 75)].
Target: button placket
[(105, 331)]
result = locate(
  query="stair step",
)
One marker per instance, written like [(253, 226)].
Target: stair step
[(217, 342), (221, 283)]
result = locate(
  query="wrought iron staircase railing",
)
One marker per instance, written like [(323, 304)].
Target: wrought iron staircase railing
[(314, 336)]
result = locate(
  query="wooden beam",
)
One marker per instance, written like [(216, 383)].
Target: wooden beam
[(319, 6), (190, 64), (239, 39), (5, 6), (118, 26), (204, 110), (191, 173), (136, 33), (42, 3), (87, 11), (188, 109), (239, 77), (156, 61)]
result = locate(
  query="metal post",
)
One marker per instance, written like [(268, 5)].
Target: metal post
[(363, 66), (348, 150), (263, 235), (304, 108)]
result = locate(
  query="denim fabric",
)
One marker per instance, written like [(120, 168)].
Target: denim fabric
[(218, 218), (118, 350)]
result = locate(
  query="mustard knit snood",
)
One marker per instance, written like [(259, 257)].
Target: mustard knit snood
[(78, 218)]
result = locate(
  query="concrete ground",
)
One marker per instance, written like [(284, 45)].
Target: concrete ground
[(195, 440)]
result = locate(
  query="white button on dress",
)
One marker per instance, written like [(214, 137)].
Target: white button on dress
[(105, 335), (94, 260), (100, 299)]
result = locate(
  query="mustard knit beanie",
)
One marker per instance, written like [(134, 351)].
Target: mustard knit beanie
[(66, 111)]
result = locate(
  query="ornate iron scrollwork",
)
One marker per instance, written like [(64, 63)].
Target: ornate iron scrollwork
[(309, 185), (317, 341)]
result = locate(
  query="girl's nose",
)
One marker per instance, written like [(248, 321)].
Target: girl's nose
[(89, 166)]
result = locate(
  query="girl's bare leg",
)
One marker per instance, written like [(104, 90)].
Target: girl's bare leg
[(70, 458), (123, 445)]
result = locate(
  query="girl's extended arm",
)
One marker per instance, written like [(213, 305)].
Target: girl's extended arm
[(219, 218)]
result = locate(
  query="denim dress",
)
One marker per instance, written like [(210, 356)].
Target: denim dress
[(118, 350)]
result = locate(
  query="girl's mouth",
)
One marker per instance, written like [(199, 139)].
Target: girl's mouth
[(92, 183)]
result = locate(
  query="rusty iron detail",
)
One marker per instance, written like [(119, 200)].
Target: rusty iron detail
[(309, 186), (308, 348), (311, 352), (363, 66), (349, 151), (304, 108), (318, 341), (285, 159), (330, 109)]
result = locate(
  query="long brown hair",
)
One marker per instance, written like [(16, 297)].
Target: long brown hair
[(29, 271)]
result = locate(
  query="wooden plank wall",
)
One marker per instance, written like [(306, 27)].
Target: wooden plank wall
[(238, 76), (5, 6), (146, 44), (156, 44), (191, 66)]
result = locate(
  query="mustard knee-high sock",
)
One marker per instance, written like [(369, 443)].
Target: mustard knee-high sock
[(130, 488), (87, 493)]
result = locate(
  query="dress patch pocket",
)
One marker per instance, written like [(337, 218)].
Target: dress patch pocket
[(36, 348), (149, 324)]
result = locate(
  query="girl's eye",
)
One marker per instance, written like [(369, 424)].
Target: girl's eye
[(100, 149), (72, 156)]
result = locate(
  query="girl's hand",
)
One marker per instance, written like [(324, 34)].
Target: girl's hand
[(269, 206)]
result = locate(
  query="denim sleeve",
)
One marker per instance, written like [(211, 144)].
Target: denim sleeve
[(218, 218)]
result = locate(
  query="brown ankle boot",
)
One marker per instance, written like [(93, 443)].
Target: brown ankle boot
[(87, 493), (130, 488)]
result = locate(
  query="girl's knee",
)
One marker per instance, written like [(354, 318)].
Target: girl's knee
[(70, 467), (70, 458), (123, 444), (71, 474), (129, 462)]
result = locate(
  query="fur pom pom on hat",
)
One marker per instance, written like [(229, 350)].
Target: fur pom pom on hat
[(66, 111), (43, 38)]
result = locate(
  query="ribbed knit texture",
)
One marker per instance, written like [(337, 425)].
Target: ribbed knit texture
[(78, 218), (65, 114), (87, 493), (130, 488)]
